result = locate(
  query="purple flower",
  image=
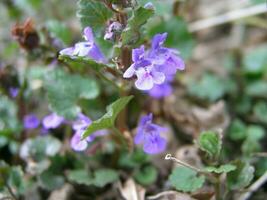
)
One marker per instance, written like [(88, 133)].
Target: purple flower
[(86, 49), (113, 29), (52, 121), (31, 121), (80, 125), (162, 90), (149, 135), (13, 91), (154, 66), (146, 74)]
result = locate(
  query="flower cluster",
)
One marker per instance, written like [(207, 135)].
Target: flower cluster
[(155, 66), (148, 134), (79, 126), (50, 121), (86, 49), (53, 121)]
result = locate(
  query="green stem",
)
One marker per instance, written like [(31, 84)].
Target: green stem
[(11, 192), (107, 80), (120, 136), (217, 187)]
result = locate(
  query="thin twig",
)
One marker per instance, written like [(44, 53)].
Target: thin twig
[(207, 174), (227, 17), (169, 157), (11, 192), (254, 187), (162, 194)]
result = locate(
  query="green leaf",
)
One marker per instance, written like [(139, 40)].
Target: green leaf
[(51, 181), (16, 178), (133, 160), (100, 178), (59, 30), (131, 33), (185, 179), (8, 113), (211, 143), (64, 90), (255, 61), (80, 177), (261, 167), (257, 89), (82, 60), (241, 177), (178, 35), (252, 142), (108, 120), (103, 177), (209, 87), (40, 147), (237, 130), (93, 13), (260, 111), (147, 175), (221, 169)]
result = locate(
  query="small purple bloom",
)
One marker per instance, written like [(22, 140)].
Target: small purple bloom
[(162, 90), (113, 29), (76, 142), (86, 49), (80, 125), (52, 121), (146, 74), (149, 135), (31, 121), (154, 66), (13, 91)]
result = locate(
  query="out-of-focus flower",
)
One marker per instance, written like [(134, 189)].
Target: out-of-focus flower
[(79, 126), (162, 90), (31, 121), (86, 49), (52, 121), (149, 5), (113, 29), (13, 91), (152, 67), (148, 134)]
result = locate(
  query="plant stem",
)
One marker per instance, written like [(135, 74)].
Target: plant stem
[(107, 80), (10, 191), (217, 187)]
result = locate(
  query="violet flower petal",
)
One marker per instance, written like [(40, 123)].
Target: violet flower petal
[(52, 121), (31, 121)]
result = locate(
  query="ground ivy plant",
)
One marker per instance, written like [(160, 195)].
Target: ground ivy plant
[(83, 110)]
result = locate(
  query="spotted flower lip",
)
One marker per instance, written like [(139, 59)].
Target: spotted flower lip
[(31, 121), (148, 134), (52, 121), (86, 49), (152, 67)]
